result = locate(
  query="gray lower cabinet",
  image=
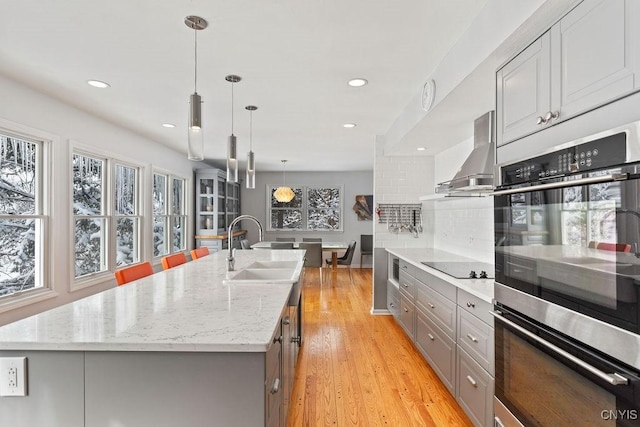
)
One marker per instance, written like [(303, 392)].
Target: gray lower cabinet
[(438, 348), (453, 330), (475, 390), (475, 360), (393, 299)]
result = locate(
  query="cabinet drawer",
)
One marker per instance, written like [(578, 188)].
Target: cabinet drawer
[(273, 382), (476, 338), (441, 310), (475, 306), (407, 268), (393, 302), (437, 348), (474, 390), (406, 317), (441, 286), (407, 285)]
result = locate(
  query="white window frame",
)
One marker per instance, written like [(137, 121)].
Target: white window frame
[(137, 214), (43, 288), (108, 212), (305, 208), (168, 215)]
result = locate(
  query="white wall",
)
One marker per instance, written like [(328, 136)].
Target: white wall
[(462, 226), (253, 202), (33, 112), (402, 179)]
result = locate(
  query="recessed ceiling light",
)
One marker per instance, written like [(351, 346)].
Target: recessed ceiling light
[(98, 84), (421, 148), (357, 82), (168, 125), (349, 125)]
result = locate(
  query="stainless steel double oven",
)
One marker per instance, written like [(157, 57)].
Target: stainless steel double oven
[(567, 265)]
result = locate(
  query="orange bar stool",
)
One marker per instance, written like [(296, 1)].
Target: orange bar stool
[(199, 253), (133, 272), (171, 261)]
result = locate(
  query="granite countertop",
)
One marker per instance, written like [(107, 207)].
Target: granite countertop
[(186, 308), (481, 288)]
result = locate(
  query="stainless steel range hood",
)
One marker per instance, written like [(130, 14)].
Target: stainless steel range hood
[(476, 173)]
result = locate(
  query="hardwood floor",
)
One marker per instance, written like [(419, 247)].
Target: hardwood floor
[(359, 369)]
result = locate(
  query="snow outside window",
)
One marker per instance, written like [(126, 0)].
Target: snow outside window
[(127, 215), (22, 220), (89, 211), (311, 209), (169, 214)]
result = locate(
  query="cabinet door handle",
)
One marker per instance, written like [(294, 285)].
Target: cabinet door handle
[(276, 386), (391, 305), (431, 337), (406, 310), (540, 120), (551, 115), (431, 305), (472, 338), (278, 339), (405, 285), (295, 339), (286, 320), (472, 381), (471, 305)]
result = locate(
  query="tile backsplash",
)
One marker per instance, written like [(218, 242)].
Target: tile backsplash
[(464, 226)]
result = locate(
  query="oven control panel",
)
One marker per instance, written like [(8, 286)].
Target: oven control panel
[(592, 155)]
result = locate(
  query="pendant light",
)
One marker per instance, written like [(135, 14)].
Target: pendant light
[(284, 194), (251, 161), (195, 134), (232, 151)]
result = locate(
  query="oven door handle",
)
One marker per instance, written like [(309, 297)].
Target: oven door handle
[(613, 379), (560, 184)]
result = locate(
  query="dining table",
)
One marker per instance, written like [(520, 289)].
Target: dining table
[(334, 247)]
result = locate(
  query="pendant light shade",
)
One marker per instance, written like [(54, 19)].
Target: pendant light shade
[(232, 148), (195, 134), (251, 160), (284, 194)]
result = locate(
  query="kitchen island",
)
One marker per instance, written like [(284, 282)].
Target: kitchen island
[(180, 347)]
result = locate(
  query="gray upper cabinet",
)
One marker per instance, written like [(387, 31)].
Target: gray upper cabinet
[(587, 59), (523, 92)]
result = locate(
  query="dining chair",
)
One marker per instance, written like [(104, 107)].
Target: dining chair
[(366, 246), (347, 257), (133, 272), (313, 257), (244, 244), (618, 247), (312, 239), (281, 245), (199, 252), (173, 260), (285, 239)]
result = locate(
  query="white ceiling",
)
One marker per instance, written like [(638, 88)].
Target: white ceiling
[(295, 57)]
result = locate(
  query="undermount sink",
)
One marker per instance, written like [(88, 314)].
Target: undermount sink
[(273, 264), (266, 275)]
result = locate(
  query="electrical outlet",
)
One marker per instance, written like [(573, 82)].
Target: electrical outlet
[(13, 376)]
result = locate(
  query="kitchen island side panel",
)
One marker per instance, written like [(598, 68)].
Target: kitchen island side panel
[(55, 382), (175, 389), (380, 275)]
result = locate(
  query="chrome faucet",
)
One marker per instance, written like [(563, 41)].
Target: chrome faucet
[(230, 259)]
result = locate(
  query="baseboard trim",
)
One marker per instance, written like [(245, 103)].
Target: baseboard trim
[(380, 312)]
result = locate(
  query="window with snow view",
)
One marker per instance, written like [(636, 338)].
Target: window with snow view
[(22, 218)]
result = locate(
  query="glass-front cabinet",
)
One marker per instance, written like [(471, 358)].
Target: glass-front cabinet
[(217, 205)]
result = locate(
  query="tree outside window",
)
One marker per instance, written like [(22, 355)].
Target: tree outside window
[(169, 214), (312, 209), (127, 215), (22, 223), (90, 219)]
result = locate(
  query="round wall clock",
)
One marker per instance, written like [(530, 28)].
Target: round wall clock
[(428, 94)]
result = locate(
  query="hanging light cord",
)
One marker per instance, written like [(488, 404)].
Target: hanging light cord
[(250, 130), (232, 108), (195, 54)]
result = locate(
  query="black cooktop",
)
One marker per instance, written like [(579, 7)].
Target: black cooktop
[(463, 269)]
